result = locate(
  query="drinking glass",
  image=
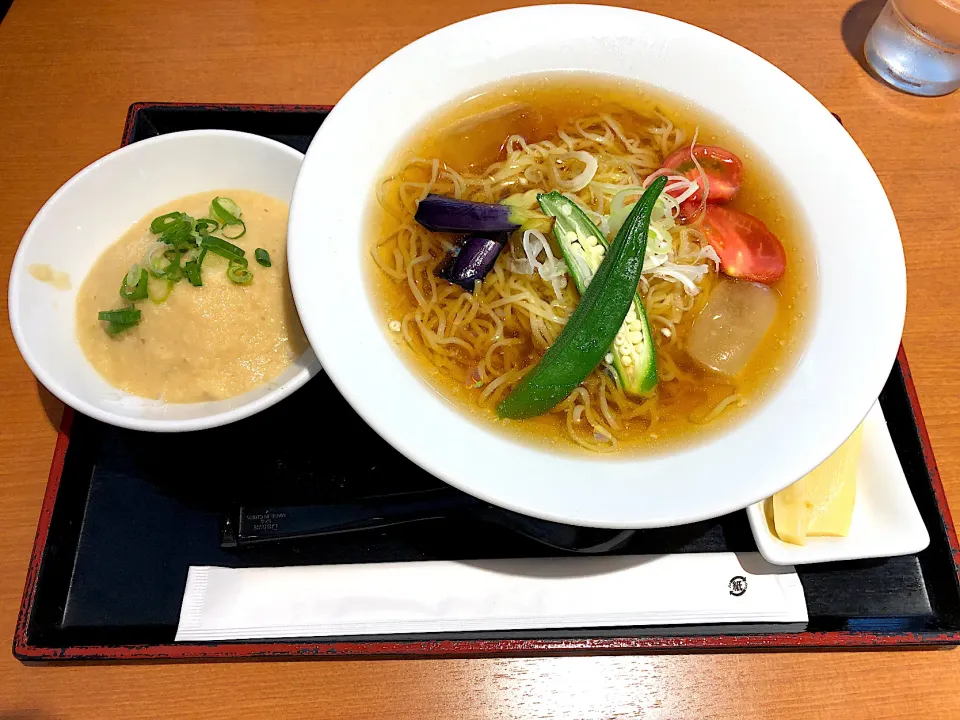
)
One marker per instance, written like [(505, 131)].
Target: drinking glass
[(915, 46)]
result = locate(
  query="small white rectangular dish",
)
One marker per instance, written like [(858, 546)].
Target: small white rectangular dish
[(886, 520)]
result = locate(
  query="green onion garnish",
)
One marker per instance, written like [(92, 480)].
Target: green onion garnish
[(243, 230), (205, 226), (180, 239), (263, 257), (128, 315), (225, 210), (228, 213), (166, 222), (160, 299), (191, 271), (238, 273), (221, 247), (176, 229), (138, 290), (173, 271), (116, 328), (170, 270), (173, 228)]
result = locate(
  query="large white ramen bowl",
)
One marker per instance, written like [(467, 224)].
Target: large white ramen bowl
[(861, 285), (87, 215)]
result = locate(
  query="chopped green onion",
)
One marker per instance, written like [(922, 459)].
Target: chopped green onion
[(182, 237), (263, 257), (172, 271), (123, 315), (225, 210), (228, 213), (115, 328), (176, 229), (155, 257), (221, 247), (165, 222), (243, 230), (238, 273), (205, 226), (160, 299), (137, 290), (191, 270)]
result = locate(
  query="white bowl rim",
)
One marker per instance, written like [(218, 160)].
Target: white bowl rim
[(610, 514), (17, 275)]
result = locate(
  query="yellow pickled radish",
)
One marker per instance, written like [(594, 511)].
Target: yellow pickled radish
[(821, 502)]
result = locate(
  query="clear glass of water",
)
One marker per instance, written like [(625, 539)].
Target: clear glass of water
[(915, 46)]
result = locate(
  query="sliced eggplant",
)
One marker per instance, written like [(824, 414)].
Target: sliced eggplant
[(473, 258), (584, 247), (446, 214)]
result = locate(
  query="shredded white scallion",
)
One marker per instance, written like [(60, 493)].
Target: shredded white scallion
[(551, 268), (664, 257), (708, 253), (688, 275), (581, 180)]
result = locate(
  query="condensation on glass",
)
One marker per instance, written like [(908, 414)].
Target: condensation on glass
[(915, 46)]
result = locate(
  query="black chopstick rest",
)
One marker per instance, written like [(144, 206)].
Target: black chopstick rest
[(246, 525)]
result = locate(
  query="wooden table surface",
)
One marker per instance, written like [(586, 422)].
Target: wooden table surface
[(68, 72)]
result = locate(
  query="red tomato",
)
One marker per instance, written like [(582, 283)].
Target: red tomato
[(689, 208), (747, 249), (723, 169)]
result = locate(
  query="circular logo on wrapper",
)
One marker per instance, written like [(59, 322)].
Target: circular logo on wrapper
[(738, 585)]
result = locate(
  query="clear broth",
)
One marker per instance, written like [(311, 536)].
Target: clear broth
[(558, 99)]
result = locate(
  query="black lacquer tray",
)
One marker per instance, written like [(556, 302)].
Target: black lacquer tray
[(117, 535)]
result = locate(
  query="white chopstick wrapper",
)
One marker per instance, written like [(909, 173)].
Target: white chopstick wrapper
[(423, 597)]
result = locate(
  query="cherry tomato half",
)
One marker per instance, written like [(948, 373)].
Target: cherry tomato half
[(747, 249), (722, 168)]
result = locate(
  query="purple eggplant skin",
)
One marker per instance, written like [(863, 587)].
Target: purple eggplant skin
[(475, 257), (446, 214)]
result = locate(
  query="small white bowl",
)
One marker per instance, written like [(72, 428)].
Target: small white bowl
[(853, 334), (886, 520), (88, 214)]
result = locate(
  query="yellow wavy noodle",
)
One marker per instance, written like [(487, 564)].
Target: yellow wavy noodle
[(487, 340)]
